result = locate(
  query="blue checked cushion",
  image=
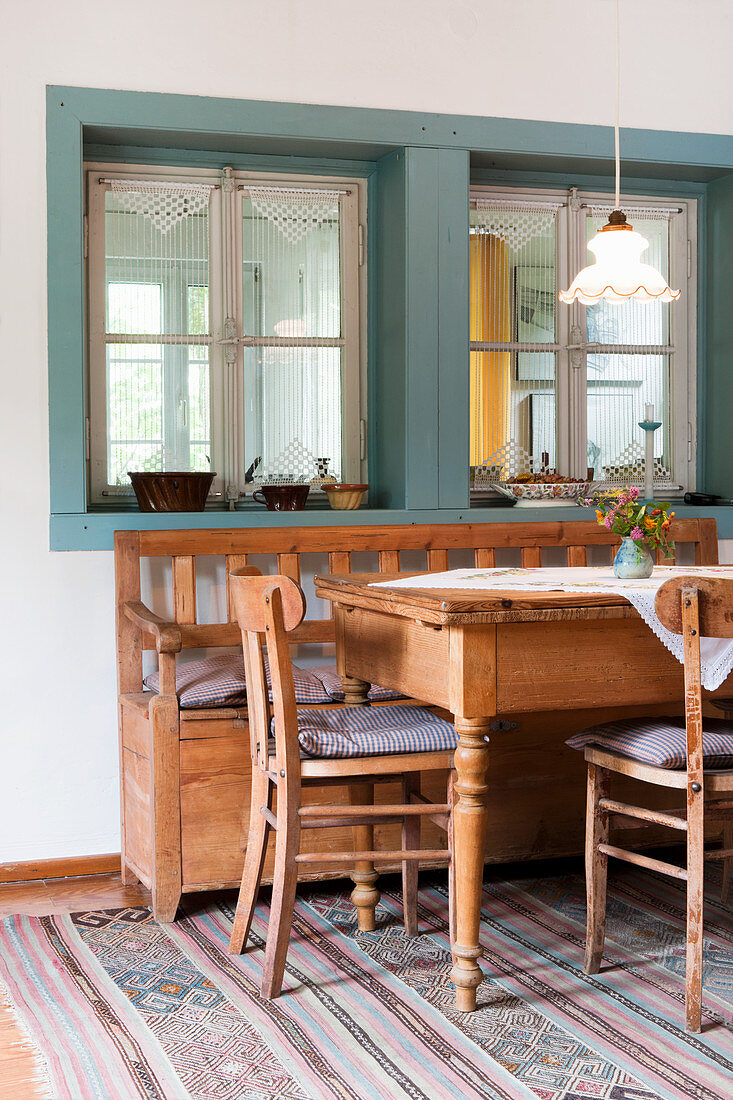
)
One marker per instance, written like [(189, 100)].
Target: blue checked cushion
[(219, 681), (331, 680), (660, 741), (368, 731)]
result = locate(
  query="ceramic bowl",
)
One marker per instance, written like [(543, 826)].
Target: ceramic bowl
[(171, 491), (282, 498), (553, 490), (345, 496)]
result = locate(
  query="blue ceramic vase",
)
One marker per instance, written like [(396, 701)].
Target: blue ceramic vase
[(633, 561)]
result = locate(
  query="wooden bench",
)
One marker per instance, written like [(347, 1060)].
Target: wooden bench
[(185, 773)]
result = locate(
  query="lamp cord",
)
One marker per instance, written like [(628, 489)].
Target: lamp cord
[(616, 128)]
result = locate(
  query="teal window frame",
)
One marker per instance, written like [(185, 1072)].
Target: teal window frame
[(419, 167)]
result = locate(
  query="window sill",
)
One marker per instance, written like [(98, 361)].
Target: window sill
[(95, 530)]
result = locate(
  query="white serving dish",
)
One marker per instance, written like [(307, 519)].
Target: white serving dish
[(554, 492)]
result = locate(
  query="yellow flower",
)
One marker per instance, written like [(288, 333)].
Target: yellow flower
[(599, 515)]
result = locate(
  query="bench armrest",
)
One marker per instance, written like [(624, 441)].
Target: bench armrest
[(167, 635)]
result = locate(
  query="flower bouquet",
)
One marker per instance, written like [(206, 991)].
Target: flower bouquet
[(646, 524)]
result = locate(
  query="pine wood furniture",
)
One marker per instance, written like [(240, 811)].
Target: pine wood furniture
[(482, 655), (693, 607), (267, 610), (185, 775)]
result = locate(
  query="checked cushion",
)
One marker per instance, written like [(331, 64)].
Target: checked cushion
[(660, 742), (370, 731), (219, 681)]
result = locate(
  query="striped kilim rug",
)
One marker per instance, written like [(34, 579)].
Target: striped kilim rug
[(120, 1007)]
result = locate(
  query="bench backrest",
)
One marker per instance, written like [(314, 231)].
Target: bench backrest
[(285, 545)]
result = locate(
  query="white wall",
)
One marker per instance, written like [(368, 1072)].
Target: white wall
[(526, 59)]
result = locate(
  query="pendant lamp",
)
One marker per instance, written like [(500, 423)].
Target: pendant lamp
[(618, 273)]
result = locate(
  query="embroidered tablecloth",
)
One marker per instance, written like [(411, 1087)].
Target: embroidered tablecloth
[(716, 654)]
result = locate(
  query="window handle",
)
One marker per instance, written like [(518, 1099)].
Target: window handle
[(183, 411)]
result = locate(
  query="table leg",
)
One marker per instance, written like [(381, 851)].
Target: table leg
[(365, 895), (355, 691), (470, 814)]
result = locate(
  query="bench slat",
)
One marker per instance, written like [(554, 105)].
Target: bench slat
[(233, 561), (438, 561), (577, 556), (184, 588), (288, 565), (389, 561), (485, 558), (531, 557)]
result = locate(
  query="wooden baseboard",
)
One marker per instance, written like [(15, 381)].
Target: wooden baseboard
[(69, 867)]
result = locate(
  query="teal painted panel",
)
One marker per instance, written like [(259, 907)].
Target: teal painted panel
[(180, 114), (719, 381), (65, 308), (96, 531), (421, 418), (389, 355), (453, 330)]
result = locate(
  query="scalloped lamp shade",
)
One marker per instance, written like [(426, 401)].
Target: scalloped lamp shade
[(618, 273)]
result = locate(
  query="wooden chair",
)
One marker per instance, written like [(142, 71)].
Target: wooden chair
[(693, 607), (268, 609)]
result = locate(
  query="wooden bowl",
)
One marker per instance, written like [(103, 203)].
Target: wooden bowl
[(345, 496), (172, 491)]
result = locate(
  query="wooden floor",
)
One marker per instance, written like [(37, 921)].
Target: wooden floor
[(18, 1070)]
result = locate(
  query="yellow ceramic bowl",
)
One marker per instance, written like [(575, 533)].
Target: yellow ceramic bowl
[(345, 496)]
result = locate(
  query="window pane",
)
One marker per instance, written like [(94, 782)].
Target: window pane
[(619, 388), (293, 243), (134, 410), (513, 300), (292, 291), (157, 285), (293, 415), (134, 307)]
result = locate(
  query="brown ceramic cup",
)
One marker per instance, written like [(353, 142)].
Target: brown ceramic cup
[(282, 498)]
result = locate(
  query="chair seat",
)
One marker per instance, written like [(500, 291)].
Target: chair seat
[(372, 731), (659, 742)]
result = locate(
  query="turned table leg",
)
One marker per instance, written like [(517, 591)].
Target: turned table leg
[(470, 814), (365, 895)]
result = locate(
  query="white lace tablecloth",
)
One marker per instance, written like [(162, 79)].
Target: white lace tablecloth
[(716, 654)]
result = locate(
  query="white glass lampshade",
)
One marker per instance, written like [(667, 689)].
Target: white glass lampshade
[(618, 273)]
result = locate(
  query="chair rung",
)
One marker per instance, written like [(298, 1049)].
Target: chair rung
[(656, 817), (351, 857), (643, 861), (269, 816), (719, 853), (394, 810)]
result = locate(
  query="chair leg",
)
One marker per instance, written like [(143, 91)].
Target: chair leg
[(410, 842), (285, 880), (726, 868), (254, 859), (365, 894), (695, 880), (452, 775), (596, 867)]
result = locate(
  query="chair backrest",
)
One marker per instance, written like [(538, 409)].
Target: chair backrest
[(695, 607), (266, 610), (283, 548)]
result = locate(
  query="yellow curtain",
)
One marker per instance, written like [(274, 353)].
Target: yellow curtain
[(490, 320)]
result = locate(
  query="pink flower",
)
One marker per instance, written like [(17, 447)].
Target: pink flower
[(624, 499), (608, 521), (637, 533), (633, 492)]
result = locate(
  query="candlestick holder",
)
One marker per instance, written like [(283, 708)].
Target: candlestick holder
[(649, 427)]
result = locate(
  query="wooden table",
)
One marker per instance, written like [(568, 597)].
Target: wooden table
[(482, 655)]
